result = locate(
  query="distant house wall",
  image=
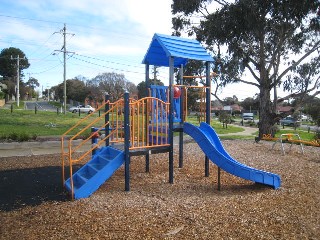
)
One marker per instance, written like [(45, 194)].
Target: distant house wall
[(2, 102)]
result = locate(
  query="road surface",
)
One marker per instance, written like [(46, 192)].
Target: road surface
[(41, 106)]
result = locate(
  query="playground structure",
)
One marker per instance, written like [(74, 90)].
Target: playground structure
[(292, 138), (130, 127)]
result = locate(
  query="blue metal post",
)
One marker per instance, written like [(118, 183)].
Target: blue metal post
[(208, 109), (171, 112), (181, 120), (146, 116), (94, 140), (127, 141)]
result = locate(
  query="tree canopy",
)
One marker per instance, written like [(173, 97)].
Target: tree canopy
[(273, 41), (112, 83), (8, 63), (76, 90), (8, 69)]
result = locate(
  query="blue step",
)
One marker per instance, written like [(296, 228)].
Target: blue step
[(95, 172)]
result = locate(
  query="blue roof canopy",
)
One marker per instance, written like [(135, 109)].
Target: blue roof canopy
[(182, 49)]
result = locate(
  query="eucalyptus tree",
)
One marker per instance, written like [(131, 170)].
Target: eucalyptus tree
[(269, 40)]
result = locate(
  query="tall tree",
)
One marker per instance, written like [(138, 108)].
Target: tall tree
[(112, 83), (142, 87), (8, 67), (268, 39), (76, 90), (313, 109), (250, 104), (32, 83)]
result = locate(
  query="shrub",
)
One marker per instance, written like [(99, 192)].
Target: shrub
[(23, 137), (12, 136)]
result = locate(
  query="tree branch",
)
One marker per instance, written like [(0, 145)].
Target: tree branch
[(222, 2), (253, 73), (314, 48), (277, 50), (301, 94), (247, 82), (253, 61)]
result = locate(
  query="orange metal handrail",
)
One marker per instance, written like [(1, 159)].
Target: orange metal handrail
[(154, 112), (71, 150), (213, 74), (202, 104), (148, 116)]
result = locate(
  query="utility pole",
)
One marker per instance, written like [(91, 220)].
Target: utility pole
[(64, 71), (18, 78), (64, 50)]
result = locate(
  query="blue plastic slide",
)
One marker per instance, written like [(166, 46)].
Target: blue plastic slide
[(210, 144)]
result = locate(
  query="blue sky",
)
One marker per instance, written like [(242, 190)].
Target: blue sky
[(109, 36)]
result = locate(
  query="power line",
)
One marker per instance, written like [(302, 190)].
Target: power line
[(47, 70), (31, 19), (123, 64), (123, 35), (116, 69)]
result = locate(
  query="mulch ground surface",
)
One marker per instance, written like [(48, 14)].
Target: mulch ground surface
[(34, 205)]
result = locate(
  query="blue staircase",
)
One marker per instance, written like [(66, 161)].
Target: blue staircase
[(95, 172)]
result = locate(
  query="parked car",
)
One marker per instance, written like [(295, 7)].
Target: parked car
[(304, 118), (83, 109), (289, 121), (247, 116)]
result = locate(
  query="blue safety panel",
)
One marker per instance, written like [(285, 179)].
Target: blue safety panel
[(182, 49), (95, 172), (211, 145), (160, 92)]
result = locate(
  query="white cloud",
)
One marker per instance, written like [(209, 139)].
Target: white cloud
[(95, 45), (152, 15)]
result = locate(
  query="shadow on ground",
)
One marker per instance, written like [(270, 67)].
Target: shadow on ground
[(30, 187)]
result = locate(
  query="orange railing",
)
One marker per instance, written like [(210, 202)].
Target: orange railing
[(149, 127), (202, 101), (73, 147), (149, 123)]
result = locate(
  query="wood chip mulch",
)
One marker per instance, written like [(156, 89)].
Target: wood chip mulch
[(33, 204)]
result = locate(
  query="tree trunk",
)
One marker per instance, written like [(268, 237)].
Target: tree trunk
[(265, 113)]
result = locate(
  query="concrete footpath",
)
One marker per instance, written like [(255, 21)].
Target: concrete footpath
[(35, 148), (11, 149)]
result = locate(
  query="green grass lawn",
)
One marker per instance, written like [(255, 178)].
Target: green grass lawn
[(304, 135), (24, 125), (218, 127)]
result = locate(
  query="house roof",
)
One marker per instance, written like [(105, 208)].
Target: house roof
[(162, 47)]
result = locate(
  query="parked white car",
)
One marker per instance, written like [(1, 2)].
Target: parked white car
[(83, 109), (304, 118), (247, 116)]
